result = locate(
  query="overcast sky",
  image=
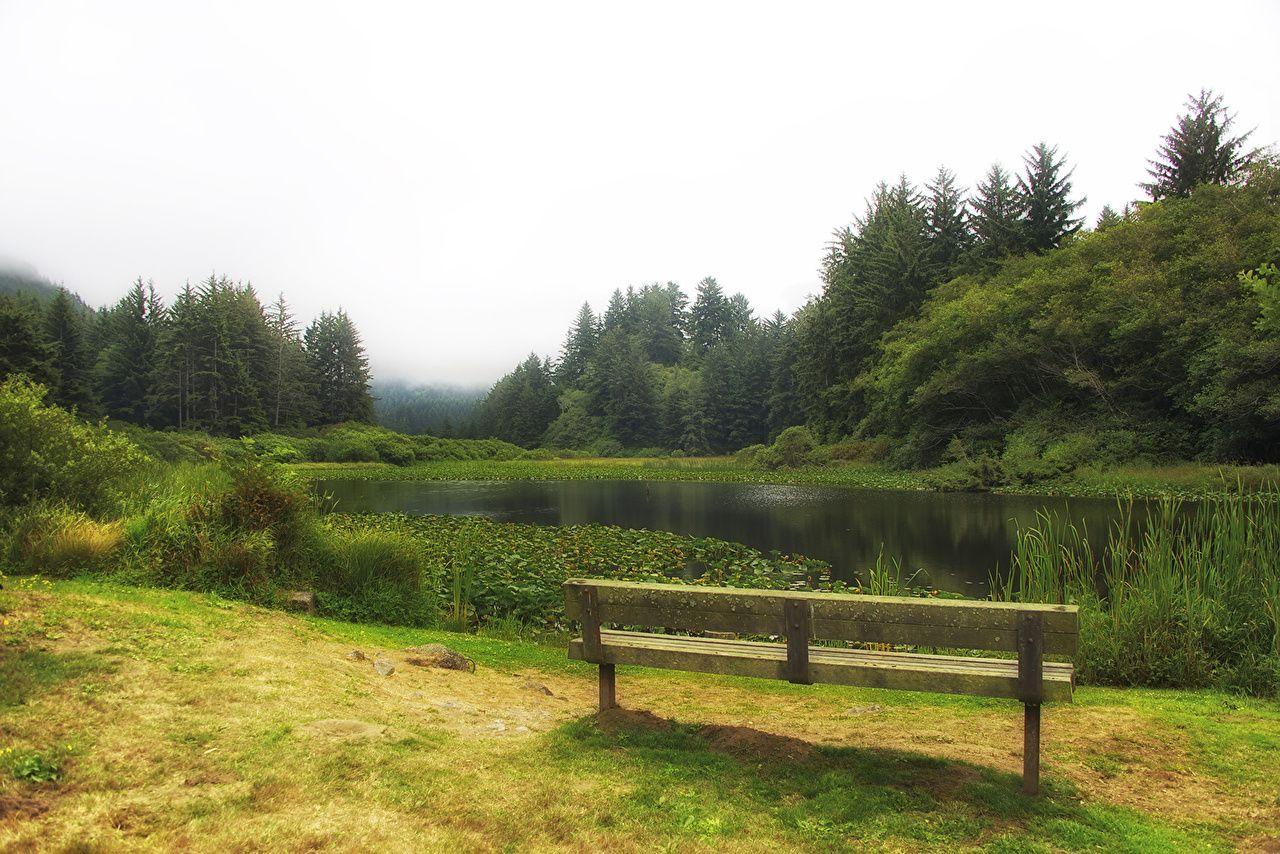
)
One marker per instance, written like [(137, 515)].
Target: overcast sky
[(461, 176)]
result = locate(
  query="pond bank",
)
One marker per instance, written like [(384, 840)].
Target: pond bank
[(1189, 480)]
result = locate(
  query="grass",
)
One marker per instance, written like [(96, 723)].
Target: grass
[(1180, 596), (161, 719), (1185, 480)]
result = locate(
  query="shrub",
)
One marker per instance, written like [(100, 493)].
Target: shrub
[(981, 473), (794, 447), (860, 450), (47, 453), (375, 575), (748, 455), (56, 541)]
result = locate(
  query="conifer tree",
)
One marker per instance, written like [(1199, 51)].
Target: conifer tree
[(287, 391), (64, 332), (126, 365), (997, 215), (23, 349), (1107, 217), (947, 218), (1047, 207), (709, 319), (579, 347), (339, 369), (1199, 149)]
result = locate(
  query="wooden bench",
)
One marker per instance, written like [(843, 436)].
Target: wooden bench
[(1032, 631)]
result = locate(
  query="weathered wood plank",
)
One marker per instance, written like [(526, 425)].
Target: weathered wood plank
[(866, 668), (866, 619), (888, 657)]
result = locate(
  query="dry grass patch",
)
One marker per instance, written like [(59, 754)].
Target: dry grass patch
[(184, 721)]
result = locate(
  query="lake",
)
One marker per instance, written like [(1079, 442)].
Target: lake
[(956, 538)]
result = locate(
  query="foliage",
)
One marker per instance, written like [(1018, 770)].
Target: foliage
[(512, 570), (214, 360), (1184, 596), (438, 410), (47, 453), (794, 447), (58, 542), (1143, 328), (1198, 150)]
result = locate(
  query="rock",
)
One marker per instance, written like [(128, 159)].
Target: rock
[(357, 655), (438, 655), (298, 600), (530, 685), (383, 666)]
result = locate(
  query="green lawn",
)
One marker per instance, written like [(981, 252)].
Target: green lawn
[(138, 718)]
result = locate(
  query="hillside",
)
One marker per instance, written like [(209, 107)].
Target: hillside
[(161, 720)]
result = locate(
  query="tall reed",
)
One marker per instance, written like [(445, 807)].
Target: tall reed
[(1181, 595)]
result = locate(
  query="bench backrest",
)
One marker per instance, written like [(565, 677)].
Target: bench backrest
[(958, 624)]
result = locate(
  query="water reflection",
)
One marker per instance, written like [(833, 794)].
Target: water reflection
[(957, 539)]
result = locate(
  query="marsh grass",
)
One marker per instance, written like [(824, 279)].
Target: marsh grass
[(60, 542), (1181, 595)]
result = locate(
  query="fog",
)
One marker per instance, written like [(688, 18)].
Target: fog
[(461, 177)]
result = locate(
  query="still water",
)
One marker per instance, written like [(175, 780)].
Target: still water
[(957, 539)]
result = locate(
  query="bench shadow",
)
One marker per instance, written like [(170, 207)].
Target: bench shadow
[(837, 785)]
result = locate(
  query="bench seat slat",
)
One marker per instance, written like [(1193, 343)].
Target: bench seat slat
[(984, 677)]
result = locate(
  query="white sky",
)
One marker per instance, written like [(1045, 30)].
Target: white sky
[(461, 176)]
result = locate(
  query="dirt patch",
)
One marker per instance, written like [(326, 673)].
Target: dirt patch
[(18, 808), (345, 729), (747, 743), (1262, 845), (438, 655), (616, 720)]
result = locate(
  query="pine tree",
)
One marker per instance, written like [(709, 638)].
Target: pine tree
[(616, 314), (173, 380), (1047, 206), (1199, 149), (947, 218), (579, 347), (64, 332), (339, 369), (709, 318), (997, 215), (660, 337), (126, 366), (23, 349), (289, 400), (1107, 217)]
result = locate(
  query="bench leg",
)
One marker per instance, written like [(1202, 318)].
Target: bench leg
[(1031, 749), (608, 687)]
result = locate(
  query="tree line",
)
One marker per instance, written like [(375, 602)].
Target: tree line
[(959, 323), (214, 359)]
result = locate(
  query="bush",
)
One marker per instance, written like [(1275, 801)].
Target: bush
[(860, 450), (794, 447), (748, 455), (376, 575), (56, 541), (981, 473), (47, 453)]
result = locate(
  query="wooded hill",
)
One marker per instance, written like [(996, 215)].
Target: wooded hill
[(215, 359), (953, 325)]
